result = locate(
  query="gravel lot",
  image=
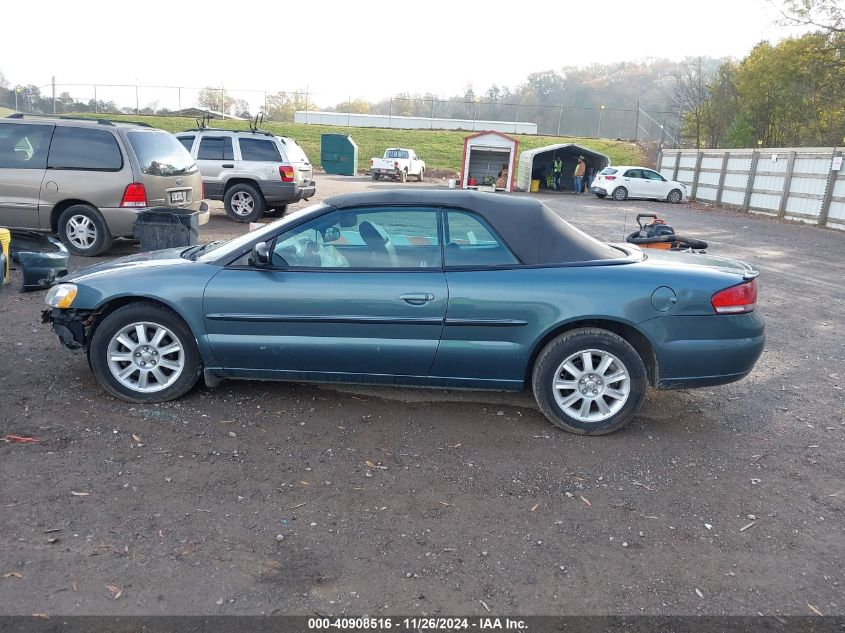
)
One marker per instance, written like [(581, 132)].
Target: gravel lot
[(257, 497)]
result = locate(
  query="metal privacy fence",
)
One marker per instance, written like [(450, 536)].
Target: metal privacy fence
[(805, 184), (629, 122)]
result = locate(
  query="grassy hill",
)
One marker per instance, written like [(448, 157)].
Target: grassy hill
[(440, 149)]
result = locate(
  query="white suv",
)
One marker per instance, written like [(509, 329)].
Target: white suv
[(254, 173)]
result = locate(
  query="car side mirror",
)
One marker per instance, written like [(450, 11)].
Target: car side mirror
[(260, 255)]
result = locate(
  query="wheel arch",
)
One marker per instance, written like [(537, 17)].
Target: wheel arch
[(111, 305), (639, 341), (64, 205), (241, 180)]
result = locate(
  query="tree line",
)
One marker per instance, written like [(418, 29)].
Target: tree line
[(790, 93)]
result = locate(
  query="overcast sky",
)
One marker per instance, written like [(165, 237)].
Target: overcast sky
[(359, 48)]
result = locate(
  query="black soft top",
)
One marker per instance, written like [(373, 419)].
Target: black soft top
[(535, 233)]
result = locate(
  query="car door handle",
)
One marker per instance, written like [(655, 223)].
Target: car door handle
[(228, 165), (417, 298)]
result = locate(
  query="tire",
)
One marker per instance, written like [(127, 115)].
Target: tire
[(421, 175), (243, 203), (374, 176), (84, 231), (621, 401), (105, 346), (674, 196), (620, 194), (403, 176), (275, 212), (601, 195)]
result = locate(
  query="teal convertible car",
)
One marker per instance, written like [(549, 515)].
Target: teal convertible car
[(419, 287)]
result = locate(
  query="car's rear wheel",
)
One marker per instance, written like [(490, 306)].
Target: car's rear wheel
[(674, 196), (243, 203), (143, 352), (403, 175), (589, 381), (84, 231), (374, 176), (620, 193), (421, 175), (276, 212)]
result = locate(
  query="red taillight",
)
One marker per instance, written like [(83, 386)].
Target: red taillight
[(286, 172), (736, 299), (372, 162), (610, 177), (134, 196), (396, 164)]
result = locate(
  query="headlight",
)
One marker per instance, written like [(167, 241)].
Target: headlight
[(61, 296)]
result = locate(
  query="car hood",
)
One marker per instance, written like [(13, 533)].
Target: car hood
[(151, 259), (714, 262)]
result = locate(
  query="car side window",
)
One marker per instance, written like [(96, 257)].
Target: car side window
[(187, 141), (84, 149), (471, 242), (215, 148), (651, 175), (24, 146), (633, 173), (259, 150), (366, 238)]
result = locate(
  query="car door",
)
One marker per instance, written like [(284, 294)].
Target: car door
[(23, 164), (215, 159), (655, 186), (350, 292), (634, 183), (487, 333)]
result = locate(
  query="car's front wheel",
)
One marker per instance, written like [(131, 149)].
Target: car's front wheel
[(589, 381), (84, 232), (243, 203), (674, 196), (144, 352), (620, 194)]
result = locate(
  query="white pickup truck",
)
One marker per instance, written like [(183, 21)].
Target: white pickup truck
[(398, 163)]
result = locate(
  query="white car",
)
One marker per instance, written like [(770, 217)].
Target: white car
[(629, 181)]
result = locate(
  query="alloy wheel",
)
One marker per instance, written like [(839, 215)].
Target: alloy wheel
[(243, 203), (591, 385), (145, 357), (81, 231)]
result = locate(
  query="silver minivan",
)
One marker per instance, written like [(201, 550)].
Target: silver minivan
[(88, 179), (255, 173)]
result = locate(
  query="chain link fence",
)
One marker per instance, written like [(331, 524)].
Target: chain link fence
[(632, 123)]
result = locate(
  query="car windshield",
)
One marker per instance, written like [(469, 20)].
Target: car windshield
[(161, 154), (236, 245)]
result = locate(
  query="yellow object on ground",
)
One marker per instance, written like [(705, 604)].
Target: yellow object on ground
[(5, 240), (535, 186)]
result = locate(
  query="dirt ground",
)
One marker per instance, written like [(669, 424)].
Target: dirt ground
[(257, 498)]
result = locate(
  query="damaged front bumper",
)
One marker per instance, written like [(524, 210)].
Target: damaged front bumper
[(71, 326)]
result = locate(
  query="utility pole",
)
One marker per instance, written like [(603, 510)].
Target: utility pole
[(601, 111), (54, 94), (179, 98), (17, 92), (137, 106), (559, 117), (96, 107), (637, 123)]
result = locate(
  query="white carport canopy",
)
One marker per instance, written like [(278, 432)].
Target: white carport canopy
[(537, 163)]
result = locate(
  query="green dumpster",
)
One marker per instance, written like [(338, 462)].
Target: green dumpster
[(339, 154)]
